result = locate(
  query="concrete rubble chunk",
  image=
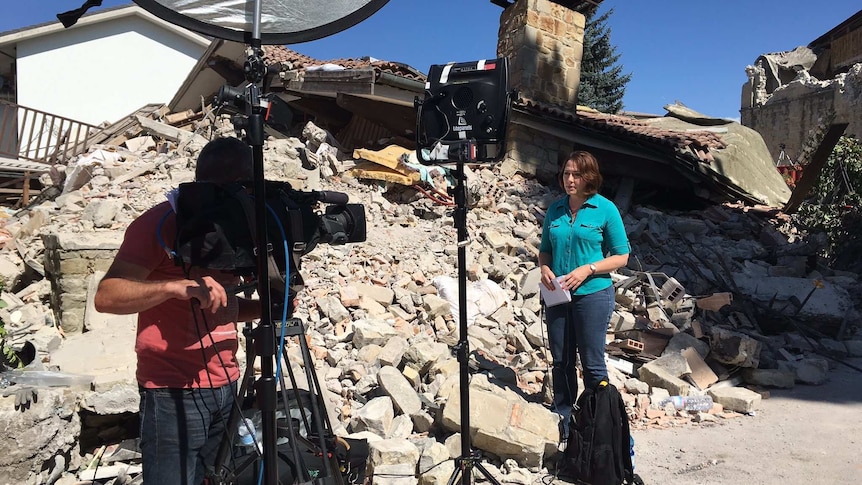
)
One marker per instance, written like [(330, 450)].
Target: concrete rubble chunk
[(854, 347), (435, 468), (399, 389), (834, 347), (393, 351), (666, 377), (737, 399), (375, 416), (770, 377), (372, 332), (734, 348), (393, 462), (683, 340), (379, 294), (809, 370)]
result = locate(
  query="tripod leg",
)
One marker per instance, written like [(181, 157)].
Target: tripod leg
[(226, 445), (485, 473), (319, 425), (454, 477)]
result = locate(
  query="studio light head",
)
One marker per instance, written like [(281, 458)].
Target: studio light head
[(465, 104)]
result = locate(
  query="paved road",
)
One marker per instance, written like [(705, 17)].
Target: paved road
[(804, 435)]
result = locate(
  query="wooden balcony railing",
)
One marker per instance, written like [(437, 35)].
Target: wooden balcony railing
[(36, 136)]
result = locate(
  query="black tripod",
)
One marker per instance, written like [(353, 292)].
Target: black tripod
[(464, 464), (309, 456), (264, 336)]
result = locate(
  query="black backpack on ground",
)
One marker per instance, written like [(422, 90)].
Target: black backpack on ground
[(598, 444)]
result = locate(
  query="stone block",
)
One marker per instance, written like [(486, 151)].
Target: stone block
[(72, 320), (398, 388), (486, 410), (785, 379), (117, 399), (380, 294), (796, 341), (657, 376), (733, 348), (674, 363), (683, 340), (737, 399), (622, 321), (529, 284), (854, 347), (834, 347), (74, 266), (812, 370)]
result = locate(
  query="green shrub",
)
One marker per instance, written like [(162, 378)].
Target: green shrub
[(834, 206)]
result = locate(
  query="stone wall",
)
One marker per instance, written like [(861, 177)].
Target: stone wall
[(544, 43), (795, 111), (534, 152), (72, 261)]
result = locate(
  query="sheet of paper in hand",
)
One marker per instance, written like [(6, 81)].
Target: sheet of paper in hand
[(556, 296)]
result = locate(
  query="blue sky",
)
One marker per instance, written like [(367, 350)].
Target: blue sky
[(693, 51)]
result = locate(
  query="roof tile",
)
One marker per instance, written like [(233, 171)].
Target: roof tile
[(698, 143), (277, 53)]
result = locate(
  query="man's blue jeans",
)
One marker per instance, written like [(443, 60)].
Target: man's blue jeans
[(180, 432), (577, 326)]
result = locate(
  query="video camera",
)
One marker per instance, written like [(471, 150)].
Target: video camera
[(216, 228)]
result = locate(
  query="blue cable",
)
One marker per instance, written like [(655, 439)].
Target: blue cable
[(284, 310), (164, 246), (286, 289)]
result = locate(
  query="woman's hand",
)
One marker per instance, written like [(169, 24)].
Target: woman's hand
[(575, 278), (548, 277)]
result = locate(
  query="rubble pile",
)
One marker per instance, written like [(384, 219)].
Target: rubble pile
[(725, 302)]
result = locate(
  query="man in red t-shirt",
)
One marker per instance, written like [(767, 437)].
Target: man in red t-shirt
[(187, 332)]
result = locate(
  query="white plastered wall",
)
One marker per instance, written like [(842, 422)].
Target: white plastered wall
[(105, 71)]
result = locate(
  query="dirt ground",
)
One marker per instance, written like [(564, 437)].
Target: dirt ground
[(804, 435)]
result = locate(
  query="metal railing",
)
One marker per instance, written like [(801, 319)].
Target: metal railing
[(37, 136)]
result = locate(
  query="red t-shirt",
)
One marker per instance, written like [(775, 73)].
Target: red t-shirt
[(176, 347)]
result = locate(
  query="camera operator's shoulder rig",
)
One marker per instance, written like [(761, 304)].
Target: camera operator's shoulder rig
[(216, 228)]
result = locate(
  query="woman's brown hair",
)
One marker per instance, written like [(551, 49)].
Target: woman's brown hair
[(588, 166)]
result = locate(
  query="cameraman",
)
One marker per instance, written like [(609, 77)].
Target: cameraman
[(187, 332)]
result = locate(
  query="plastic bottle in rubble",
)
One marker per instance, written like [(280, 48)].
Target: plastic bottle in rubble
[(246, 434), (690, 403)]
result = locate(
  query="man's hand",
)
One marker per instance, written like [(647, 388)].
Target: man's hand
[(23, 396), (207, 292)]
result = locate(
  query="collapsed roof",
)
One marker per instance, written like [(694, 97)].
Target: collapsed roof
[(364, 100)]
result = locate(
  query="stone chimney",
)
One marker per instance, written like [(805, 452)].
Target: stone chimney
[(544, 42)]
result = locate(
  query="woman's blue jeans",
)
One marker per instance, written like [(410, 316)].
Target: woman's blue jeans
[(181, 430), (577, 326)]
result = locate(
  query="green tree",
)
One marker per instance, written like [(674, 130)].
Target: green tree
[(835, 205), (603, 83)]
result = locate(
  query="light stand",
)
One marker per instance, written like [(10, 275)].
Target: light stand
[(464, 464), (463, 119), (265, 339)]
